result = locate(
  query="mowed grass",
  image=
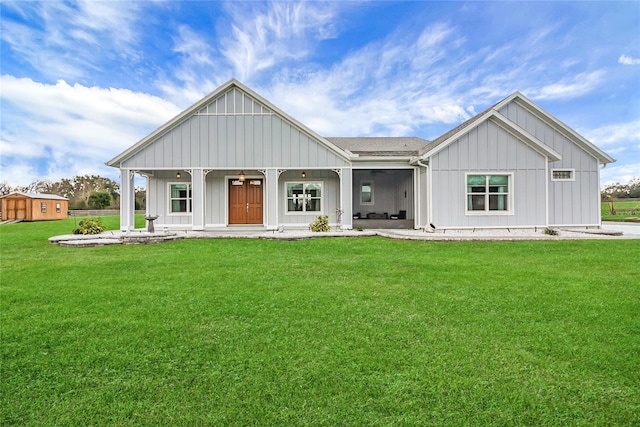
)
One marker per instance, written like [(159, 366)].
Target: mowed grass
[(621, 216), (333, 331)]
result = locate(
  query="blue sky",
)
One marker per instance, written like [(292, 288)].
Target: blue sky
[(82, 81)]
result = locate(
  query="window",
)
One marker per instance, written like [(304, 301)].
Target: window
[(488, 194), (43, 207), (179, 198), (366, 193), (58, 207), (304, 197), (562, 175)]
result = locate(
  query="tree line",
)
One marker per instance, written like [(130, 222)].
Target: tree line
[(83, 192), (622, 191)]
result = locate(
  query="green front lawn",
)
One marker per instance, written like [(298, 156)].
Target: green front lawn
[(333, 331)]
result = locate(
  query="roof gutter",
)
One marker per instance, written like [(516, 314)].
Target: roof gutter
[(357, 157)]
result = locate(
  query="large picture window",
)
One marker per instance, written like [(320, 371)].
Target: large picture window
[(304, 197), (489, 193), (179, 198)]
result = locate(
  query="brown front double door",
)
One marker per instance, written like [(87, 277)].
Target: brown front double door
[(245, 201)]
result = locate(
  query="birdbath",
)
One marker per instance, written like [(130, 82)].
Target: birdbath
[(150, 220)]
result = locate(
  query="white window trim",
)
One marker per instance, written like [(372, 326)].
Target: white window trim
[(573, 174), (372, 192), (510, 197), (169, 184), (312, 213)]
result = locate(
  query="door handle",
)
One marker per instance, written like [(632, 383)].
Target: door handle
[(247, 207)]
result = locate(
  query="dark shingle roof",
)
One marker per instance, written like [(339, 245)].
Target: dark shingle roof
[(380, 146)]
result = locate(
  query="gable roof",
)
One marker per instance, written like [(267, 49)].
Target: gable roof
[(380, 146), (552, 121), (490, 114), (35, 195), (193, 109)]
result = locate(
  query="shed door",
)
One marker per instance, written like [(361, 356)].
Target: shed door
[(245, 201), (16, 209)]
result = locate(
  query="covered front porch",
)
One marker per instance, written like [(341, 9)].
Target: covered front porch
[(217, 199)]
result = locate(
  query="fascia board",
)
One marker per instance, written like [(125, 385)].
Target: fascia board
[(565, 130)]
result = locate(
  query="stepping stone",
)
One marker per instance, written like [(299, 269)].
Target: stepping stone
[(90, 242)]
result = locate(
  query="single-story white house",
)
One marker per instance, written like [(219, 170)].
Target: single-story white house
[(235, 159)]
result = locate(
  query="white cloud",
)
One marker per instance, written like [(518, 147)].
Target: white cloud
[(615, 134), (264, 35), (69, 40), (72, 128), (628, 60), (196, 71), (390, 87), (619, 173), (622, 141), (20, 172), (569, 87)]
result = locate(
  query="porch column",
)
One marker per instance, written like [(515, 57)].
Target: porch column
[(346, 199), (197, 199), (271, 197), (127, 200), (421, 185)]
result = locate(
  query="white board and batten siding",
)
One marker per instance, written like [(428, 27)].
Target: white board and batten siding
[(487, 149), (158, 199), (235, 131), (574, 202)]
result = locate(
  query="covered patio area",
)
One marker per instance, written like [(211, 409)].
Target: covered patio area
[(383, 198)]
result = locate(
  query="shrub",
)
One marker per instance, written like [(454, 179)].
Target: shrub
[(90, 226), (320, 224), (100, 200), (550, 232)]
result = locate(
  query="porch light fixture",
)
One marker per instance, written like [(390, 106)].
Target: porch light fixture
[(303, 174), (178, 176), (241, 177)]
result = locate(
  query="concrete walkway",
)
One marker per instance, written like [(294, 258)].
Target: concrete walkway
[(142, 237), (624, 227)]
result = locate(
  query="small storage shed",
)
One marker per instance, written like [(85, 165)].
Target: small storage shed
[(33, 207)]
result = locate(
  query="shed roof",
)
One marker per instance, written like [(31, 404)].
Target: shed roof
[(35, 195)]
